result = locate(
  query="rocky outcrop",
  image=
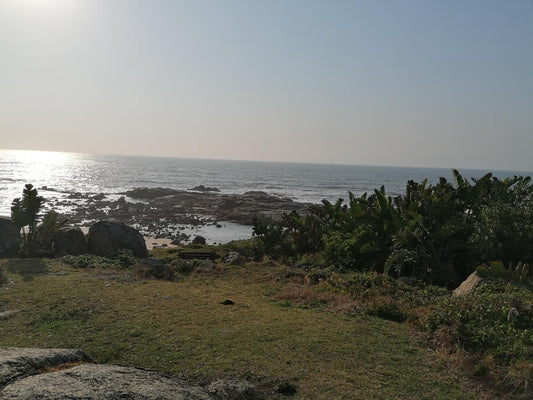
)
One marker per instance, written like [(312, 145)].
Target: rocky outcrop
[(17, 363), (162, 212), (59, 374), (202, 188), (9, 237), (468, 285), (93, 381), (70, 241), (109, 239)]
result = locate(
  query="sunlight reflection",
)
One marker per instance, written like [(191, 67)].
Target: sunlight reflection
[(39, 167)]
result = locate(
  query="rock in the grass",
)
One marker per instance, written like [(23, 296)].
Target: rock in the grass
[(9, 237), (231, 257), (93, 381), (17, 363), (108, 239), (468, 285), (70, 241)]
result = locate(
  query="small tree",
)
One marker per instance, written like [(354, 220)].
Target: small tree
[(25, 212)]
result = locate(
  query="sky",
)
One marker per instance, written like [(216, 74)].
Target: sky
[(404, 83)]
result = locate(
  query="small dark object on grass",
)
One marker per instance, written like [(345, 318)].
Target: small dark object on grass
[(227, 303), (287, 389)]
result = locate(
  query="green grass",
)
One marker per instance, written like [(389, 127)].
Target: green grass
[(182, 329)]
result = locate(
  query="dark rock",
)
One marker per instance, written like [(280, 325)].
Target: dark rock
[(9, 237), (202, 188), (198, 239), (98, 197), (108, 239), (150, 193), (93, 381), (227, 302), (70, 241)]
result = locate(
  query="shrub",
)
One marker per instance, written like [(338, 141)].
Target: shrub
[(89, 261), (494, 323), (25, 212)]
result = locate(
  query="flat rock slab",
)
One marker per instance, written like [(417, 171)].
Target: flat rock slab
[(93, 381), (17, 363)]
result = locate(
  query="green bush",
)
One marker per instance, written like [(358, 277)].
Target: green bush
[(437, 233), (123, 261), (495, 322)]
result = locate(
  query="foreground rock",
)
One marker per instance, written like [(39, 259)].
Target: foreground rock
[(9, 237), (17, 363), (109, 239), (93, 381), (70, 241)]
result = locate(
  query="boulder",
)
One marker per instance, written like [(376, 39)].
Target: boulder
[(231, 257), (468, 285), (109, 239), (9, 237), (16, 362), (198, 239), (70, 241), (57, 374)]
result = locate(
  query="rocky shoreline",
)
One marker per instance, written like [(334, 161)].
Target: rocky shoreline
[(166, 213)]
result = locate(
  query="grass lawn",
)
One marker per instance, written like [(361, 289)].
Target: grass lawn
[(182, 329)]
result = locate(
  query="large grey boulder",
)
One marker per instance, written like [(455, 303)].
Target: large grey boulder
[(93, 381), (109, 239), (17, 363), (468, 285), (9, 237), (70, 241)]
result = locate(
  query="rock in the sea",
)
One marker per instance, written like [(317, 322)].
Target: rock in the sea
[(468, 285), (70, 241), (202, 188), (109, 239), (9, 237), (111, 382), (17, 363)]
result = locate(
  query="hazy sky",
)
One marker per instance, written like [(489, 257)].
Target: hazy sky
[(418, 83)]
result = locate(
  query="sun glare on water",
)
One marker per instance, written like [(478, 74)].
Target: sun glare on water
[(39, 166)]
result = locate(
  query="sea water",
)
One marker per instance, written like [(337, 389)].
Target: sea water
[(109, 174)]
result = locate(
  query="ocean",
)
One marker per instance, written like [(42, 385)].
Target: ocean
[(110, 174)]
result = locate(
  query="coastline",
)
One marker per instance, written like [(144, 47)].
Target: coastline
[(163, 215)]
